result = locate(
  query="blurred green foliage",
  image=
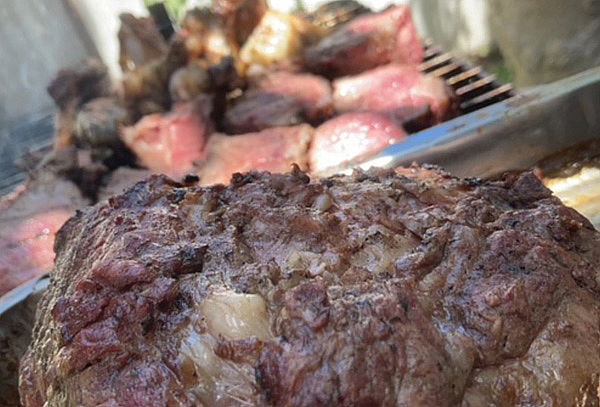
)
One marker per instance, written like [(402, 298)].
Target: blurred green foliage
[(175, 8), (502, 72)]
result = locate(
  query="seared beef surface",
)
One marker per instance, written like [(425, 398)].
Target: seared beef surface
[(378, 289)]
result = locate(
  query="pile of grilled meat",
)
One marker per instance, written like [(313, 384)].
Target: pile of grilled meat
[(238, 87), (219, 286)]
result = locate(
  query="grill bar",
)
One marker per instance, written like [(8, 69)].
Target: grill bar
[(473, 87)]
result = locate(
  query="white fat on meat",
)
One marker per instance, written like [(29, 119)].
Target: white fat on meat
[(278, 37), (226, 315), (236, 316)]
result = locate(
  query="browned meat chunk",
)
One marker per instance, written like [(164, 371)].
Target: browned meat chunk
[(273, 150), (140, 42), (71, 88), (205, 35), (367, 42), (313, 92), (400, 90), (171, 143), (29, 219), (277, 38), (146, 89), (97, 127), (336, 12), (189, 82), (241, 16), (280, 99), (257, 110), (379, 289), (351, 136)]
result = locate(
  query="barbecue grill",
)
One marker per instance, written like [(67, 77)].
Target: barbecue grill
[(474, 88)]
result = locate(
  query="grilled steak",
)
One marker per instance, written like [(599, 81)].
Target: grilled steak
[(351, 136), (70, 89), (29, 219), (171, 143), (280, 99), (367, 42), (378, 289), (273, 150), (397, 89)]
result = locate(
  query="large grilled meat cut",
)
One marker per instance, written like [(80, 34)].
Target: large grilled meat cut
[(378, 289)]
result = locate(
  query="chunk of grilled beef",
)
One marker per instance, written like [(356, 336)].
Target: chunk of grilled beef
[(171, 143), (273, 150), (97, 127), (241, 16), (205, 35), (377, 289), (400, 90), (351, 136), (71, 88), (334, 13), (280, 99), (140, 42), (279, 37), (145, 90), (367, 42), (29, 219)]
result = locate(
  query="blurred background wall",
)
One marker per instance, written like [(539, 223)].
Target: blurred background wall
[(543, 41)]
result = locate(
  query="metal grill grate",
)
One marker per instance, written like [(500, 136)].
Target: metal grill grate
[(31, 134), (473, 87)]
